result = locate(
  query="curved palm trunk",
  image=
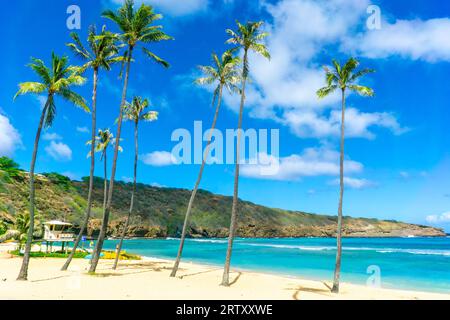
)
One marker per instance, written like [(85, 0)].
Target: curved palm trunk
[(337, 270), (127, 222), (226, 270), (106, 212), (105, 180), (23, 274), (91, 174), (194, 191)]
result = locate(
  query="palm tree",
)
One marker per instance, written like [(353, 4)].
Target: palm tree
[(102, 141), (136, 27), (56, 81), (247, 37), (223, 72), (343, 78), (102, 53), (136, 112)]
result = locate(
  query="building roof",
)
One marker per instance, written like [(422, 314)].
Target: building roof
[(57, 222)]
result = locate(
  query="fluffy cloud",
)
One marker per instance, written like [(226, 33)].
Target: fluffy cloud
[(59, 151), (439, 219), (9, 137), (357, 124), (158, 158), (175, 7), (284, 88), (413, 39), (312, 162), (51, 136), (354, 183)]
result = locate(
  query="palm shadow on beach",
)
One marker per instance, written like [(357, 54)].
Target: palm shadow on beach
[(131, 268), (299, 289)]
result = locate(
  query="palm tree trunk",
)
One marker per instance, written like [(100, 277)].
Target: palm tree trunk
[(106, 212), (127, 222), (337, 270), (23, 274), (197, 183), (91, 174), (226, 270), (105, 180)]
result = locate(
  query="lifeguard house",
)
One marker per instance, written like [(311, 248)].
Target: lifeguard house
[(58, 231)]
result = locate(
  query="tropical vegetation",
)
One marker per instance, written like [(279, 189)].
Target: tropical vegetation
[(135, 112), (222, 73), (56, 81), (344, 78), (159, 212)]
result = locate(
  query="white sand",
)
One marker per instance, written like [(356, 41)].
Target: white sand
[(149, 279)]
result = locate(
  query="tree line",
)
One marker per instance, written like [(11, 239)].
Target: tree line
[(103, 50)]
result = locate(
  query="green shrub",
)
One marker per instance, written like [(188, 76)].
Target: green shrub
[(59, 180), (58, 254), (10, 167)]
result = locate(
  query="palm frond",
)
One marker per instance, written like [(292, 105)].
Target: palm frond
[(155, 58), (326, 91)]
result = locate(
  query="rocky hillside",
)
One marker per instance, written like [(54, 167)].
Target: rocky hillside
[(159, 212)]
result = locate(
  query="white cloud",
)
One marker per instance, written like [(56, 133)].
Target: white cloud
[(9, 137), (83, 129), (284, 88), (158, 158), (157, 185), (51, 136), (59, 151), (412, 39), (312, 162), (439, 219), (175, 7), (306, 123), (354, 183)]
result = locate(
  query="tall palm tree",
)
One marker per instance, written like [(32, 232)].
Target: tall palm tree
[(136, 112), (136, 26), (102, 141), (223, 72), (343, 78), (102, 53), (247, 37), (56, 81)]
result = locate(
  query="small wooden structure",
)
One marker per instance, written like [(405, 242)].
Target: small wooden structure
[(57, 231)]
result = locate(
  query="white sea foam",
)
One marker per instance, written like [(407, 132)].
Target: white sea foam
[(330, 248)]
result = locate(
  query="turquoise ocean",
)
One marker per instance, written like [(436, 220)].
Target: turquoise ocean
[(402, 263)]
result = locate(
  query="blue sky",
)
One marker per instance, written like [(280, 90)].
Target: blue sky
[(397, 149)]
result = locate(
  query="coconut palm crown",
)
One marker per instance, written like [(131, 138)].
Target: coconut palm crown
[(102, 48), (55, 81), (135, 111), (345, 77), (136, 26), (223, 71)]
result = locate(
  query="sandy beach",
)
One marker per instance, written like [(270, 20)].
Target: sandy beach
[(149, 279)]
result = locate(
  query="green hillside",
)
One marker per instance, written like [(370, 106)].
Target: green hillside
[(159, 212)]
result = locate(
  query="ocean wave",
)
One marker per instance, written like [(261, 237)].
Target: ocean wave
[(200, 240), (208, 240), (332, 248)]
